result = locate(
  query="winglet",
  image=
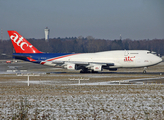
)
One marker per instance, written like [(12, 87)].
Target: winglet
[(21, 45)]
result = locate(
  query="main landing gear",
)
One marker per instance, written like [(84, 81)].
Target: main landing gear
[(88, 71), (84, 70), (144, 71)]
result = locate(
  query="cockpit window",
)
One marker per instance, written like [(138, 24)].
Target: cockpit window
[(154, 53)]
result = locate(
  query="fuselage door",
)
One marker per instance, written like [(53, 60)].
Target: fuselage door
[(126, 53)]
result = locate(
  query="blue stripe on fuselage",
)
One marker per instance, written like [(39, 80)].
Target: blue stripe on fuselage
[(38, 56)]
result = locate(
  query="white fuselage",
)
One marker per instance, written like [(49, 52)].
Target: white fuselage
[(120, 58)]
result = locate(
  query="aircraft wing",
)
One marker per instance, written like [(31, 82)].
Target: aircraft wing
[(76, 65)]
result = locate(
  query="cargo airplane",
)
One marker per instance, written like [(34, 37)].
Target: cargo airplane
[(86, 62)]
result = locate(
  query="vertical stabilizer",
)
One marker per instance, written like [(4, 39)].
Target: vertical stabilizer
[(21, 45)]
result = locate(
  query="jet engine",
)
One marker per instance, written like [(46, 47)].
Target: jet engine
[(70, 66), (96, 68)]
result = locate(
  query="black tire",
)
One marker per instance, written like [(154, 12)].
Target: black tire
[(144, 71), (85, 71), (94, 71)]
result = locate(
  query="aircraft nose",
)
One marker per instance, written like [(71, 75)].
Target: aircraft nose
[(158, 60)]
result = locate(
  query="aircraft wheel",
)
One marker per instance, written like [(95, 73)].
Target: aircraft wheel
[(94, 71), (81, 71), (144, 71), (84, 71)]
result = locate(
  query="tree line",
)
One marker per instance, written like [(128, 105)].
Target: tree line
[(85, 45)]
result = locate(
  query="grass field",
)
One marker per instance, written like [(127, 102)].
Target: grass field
[(52, 96)]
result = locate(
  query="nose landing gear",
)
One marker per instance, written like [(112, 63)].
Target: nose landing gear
[(144, 71)]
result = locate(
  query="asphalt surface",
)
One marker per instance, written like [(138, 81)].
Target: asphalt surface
[(37, 67), (6, 68)]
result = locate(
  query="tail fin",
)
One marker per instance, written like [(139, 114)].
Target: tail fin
[(21, 45)]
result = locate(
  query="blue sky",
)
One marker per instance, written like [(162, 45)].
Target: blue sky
[(105, 19)]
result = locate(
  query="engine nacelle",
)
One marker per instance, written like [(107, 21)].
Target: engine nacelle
[(70, 67), (97, 68)]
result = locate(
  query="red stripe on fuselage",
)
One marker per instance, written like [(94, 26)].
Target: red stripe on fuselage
[(61, 57), (30, 59), (42, 63)]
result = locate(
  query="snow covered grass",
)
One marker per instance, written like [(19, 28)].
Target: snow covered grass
[(49, 96), (81, 102)]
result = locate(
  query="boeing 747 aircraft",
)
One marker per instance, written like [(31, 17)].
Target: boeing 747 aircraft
[(86, 62)]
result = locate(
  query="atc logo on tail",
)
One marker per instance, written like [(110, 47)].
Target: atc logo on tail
[(20, 44)]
